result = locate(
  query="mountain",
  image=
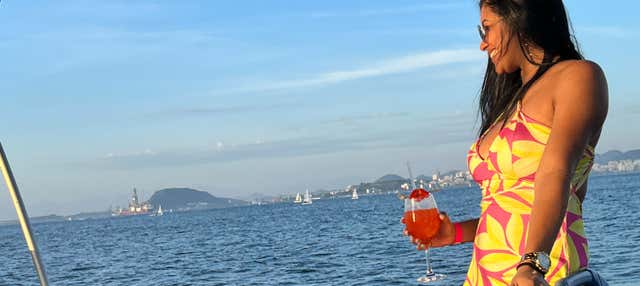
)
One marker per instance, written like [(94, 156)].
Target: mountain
[(386, 182), (615, 155), (390, 178), (188, 199), (423, 178)]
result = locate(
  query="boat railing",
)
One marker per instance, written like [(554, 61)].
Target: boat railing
[(23, 218)]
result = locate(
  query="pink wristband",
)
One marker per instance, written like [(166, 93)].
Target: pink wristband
[(458, 229)]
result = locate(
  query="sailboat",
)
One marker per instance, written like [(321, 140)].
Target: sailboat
[(307, 199), (354, 195), (159, 212), (298, 199)]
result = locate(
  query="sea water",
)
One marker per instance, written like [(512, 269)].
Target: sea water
[(330, 242)]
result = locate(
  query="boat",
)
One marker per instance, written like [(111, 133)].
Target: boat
[(307, 199), (354, 195), (298, 199), (135, 207), (159, 212)]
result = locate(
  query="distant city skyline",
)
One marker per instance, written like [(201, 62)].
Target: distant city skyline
[(247, 97)]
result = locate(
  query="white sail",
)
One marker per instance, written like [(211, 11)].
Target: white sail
[(298, 199), (354, 195), (307, 198), (160, 212)]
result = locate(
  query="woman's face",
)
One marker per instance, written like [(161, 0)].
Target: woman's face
[(502, 48)]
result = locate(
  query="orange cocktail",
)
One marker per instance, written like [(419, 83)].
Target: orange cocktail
[(422, 219), (422, 224)]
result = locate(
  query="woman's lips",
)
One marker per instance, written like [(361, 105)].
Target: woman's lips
[(494, 56)]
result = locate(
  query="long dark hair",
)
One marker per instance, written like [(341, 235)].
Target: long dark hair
[(541, 23)]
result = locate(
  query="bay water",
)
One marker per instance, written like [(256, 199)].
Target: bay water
[(330, 242)]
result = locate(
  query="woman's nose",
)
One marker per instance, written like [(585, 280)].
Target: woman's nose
[(483, 45)]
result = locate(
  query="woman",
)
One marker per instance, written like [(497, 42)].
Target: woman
[(542, 108)]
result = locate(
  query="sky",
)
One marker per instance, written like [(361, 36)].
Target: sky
[(270, 97)]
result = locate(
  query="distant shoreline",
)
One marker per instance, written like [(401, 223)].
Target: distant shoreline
[(105, 215), (617, 173)]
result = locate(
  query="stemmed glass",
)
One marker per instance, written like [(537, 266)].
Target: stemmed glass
[(422, 219)]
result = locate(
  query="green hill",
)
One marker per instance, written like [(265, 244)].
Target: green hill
[(189, 199), (390, 178), (615, 155)]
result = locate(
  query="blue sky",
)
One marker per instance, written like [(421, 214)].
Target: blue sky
[(241, 97)]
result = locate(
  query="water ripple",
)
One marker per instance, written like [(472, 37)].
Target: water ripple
[(331, 242)]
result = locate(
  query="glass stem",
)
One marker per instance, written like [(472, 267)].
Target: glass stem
[(426, 254)]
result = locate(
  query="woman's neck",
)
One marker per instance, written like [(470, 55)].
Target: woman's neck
[(527, 69)]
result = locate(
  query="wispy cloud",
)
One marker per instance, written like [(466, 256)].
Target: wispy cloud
[(398, 65), (212, 111), (70, 49), (366, 117), (431, 121), (465, 71), (297, 147), (146, 152)]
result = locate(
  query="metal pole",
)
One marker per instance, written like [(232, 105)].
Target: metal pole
[(23, 218)]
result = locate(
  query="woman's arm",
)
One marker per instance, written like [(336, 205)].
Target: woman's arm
[(447, 233), (468, 229), (580, 106)]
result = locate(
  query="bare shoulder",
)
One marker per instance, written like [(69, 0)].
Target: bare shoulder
[(580, 91), (580, 69), (580, 80), (579, 72)]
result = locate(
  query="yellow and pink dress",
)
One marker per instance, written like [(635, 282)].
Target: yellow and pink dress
[(506, 177)]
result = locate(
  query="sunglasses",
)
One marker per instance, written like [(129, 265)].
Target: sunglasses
[(482, 32)]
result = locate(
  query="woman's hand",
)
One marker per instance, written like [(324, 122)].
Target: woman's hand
[(445, 236), (527, 276)]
